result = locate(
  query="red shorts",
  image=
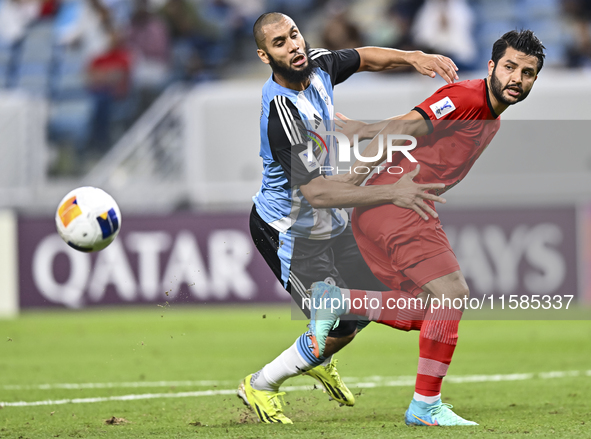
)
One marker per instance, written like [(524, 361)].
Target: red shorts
[(403, 250)]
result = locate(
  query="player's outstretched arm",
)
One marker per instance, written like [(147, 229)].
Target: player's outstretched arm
[(363, 130), (410, 124), (324, 192), (377, 59)]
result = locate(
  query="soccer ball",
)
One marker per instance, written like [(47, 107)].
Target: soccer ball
[(88, 219)]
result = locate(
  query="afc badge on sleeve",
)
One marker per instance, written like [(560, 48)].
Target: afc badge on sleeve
[(309, 160), (443, 107)]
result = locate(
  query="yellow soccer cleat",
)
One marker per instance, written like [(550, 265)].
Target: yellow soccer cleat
[(265, 404), (330, 380)]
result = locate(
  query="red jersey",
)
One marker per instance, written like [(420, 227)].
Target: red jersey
[(111, 72), (393, 240), (462, 123)]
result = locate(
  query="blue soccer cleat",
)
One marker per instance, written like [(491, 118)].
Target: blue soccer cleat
[(430, 415), (326, 307)]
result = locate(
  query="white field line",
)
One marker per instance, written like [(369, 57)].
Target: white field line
[(367, 382), (137, 384)]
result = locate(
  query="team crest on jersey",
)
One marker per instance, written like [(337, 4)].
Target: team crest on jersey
[(443, 107), (315, 153)]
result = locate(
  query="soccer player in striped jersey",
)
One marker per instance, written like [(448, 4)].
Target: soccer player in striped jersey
[(413, 258), (303, 240)]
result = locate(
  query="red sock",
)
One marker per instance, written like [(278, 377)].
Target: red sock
[(437, 342), (391, 308)]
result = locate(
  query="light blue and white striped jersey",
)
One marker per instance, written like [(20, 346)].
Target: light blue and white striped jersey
[(289, 120)]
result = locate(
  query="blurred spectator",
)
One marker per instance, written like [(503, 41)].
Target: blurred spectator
[(49, 8), (183, 20), (108, 81), (299, 11), (82, 30), (15, 17), (385, 23), (578, 13), (446, 27), (120, 12), (147, 39), (85, 25), (192, 37), (232, 27), (246, 12), (339, 31), (403, 14)]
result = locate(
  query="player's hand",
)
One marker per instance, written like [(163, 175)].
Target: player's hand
[(411, 195), (349, 127), (432, 65)]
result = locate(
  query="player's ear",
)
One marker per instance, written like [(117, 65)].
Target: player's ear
[(263, 56), (491, 67)]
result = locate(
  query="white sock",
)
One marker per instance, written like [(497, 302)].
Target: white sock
[(426, 399), (287, 365)]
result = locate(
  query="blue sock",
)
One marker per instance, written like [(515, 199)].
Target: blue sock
[(305, 349)]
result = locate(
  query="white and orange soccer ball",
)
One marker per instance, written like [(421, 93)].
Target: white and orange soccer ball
[(88, 219)]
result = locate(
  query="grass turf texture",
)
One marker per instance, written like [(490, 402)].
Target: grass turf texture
[(226, 344)]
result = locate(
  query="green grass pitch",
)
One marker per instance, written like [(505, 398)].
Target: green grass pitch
[(222, 345)]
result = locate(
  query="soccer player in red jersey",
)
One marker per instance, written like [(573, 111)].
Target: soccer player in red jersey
[(410, 255)]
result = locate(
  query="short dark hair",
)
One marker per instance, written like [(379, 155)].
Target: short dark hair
[(523, 41), (263, 20)]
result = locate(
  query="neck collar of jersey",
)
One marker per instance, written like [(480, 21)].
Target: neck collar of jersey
[(490, 107), (272, 79)]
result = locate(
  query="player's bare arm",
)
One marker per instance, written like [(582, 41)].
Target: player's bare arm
[(411, 195), (363, 130), (376, 59), (322, 192), (411, 124)]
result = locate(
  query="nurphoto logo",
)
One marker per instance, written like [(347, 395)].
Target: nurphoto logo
[(317, 150)]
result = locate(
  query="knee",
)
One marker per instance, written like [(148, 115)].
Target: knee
[(452, 286), (459, 290), (456, 290), (463, 291)]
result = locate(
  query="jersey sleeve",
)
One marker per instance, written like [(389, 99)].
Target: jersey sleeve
[(288, 142), (339, 64), (450, 102)]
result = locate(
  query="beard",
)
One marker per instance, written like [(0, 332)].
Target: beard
[(497, 90), (290, 74)]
